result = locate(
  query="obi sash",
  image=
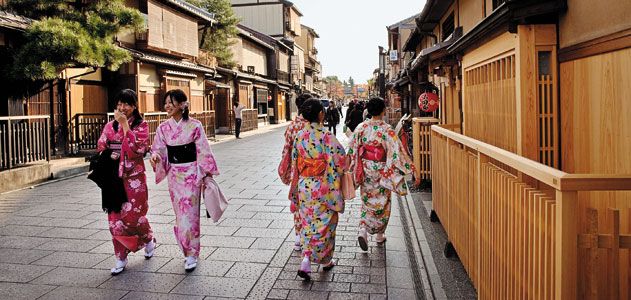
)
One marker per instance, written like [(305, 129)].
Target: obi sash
[(182, 154), (374, 153), (311, 167)]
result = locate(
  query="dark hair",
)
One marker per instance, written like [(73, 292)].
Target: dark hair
[(129, 97), (311, 109), (178, 96), (351, 106), (375, 106), (300, 100)]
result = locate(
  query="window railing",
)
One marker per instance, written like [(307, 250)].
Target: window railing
[(24, 140)]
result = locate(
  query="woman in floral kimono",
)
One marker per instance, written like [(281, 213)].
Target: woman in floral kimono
[(126, 139), (284, 168), (181, 153), (379, 164), (318, 159)]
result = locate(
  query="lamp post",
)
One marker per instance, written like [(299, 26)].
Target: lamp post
[(382, 71)]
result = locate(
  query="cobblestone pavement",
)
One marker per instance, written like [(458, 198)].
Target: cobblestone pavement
[(55, 243)]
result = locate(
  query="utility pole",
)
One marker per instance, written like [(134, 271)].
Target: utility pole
[(382, 71)]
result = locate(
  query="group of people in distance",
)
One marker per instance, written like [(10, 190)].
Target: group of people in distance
[(312, 164), (180, 152)]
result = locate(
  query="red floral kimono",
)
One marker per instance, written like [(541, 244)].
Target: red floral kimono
[(284, 168), (130, 228)]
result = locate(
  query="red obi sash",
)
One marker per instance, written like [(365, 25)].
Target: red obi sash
[(311, 167), (374, 153)]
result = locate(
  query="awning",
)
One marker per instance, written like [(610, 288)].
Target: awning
[(180, 74), (217, 84), (261, 87)]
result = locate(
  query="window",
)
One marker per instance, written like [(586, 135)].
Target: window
[(448, 27), (261, 100)]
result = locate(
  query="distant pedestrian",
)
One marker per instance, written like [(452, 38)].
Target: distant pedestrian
[(333, 117), (379, 165), (125, 141), (356, 116), (319, 161), (238, 117), (181, 153), (284, 168)]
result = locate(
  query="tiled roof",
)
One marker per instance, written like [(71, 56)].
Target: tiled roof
[(168, 61), (12, 21), (197, 11)]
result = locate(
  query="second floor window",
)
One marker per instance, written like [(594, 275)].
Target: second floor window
[(448, 27)]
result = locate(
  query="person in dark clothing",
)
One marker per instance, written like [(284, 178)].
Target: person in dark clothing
[(333, 117), (356, 116), (351, 106)]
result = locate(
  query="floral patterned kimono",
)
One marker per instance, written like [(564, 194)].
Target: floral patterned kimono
[(185, 179), (379, 164), (284, 168), (130, 228), (318, 159)]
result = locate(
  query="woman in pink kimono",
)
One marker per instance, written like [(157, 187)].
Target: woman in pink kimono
[(284, 168), (379, 164), (126, 139), (181, 153)]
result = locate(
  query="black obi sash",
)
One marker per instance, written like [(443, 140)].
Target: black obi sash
[(182, 154)]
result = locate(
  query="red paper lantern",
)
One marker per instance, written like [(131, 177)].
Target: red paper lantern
[(428, 102)]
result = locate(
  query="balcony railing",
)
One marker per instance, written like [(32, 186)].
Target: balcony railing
[(282, 76), (24, 140), (516, 223)]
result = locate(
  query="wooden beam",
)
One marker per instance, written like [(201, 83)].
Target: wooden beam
[(566, 250)]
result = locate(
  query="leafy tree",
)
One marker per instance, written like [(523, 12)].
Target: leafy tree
[(218, 39), (69, 34), (351, 82)]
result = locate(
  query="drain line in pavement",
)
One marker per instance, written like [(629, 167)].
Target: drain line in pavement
[(422, 292)]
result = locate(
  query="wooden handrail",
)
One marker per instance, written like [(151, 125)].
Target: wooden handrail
[(24, 118), (541, 172)]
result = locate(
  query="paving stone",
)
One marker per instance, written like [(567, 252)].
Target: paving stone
[(22, 242), (263, 232), (399, 278), (101, 235), (357, 278), (368, 288), (57, 213), (278, 294), (378, 297), (142, 281), (72, 259), (298, 294), (21, 273), (71, 293), (353, 262), (218, 230), (159, 296), (348, 296), (215, 286), (286, 223), (403, 294), (204, 267), (245, 223), (243, 255), (264, 284), (227, 241), (72, 245), (74, 277), (23, 291), (21, 220), (273, 216), (267, 243), (246, 270), (174, 251), (397, 259), (331, 286), (22, 230), (381, 279), (22, 256), (68, 223)]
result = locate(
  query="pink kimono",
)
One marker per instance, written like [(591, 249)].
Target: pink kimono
[(284, 168), (185, 179), (130, 228)]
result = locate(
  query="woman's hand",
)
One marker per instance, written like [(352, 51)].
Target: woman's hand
[(154, 160)]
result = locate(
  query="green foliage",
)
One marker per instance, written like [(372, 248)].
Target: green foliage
[(70, 34), (351, 82), (217, 40)]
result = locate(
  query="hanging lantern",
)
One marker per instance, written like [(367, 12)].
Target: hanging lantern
[(428, 102)]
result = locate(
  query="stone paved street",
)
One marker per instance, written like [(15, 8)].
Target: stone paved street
[(55, 243)]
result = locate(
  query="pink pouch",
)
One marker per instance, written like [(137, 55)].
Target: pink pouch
[(215, 201), (348, 186)]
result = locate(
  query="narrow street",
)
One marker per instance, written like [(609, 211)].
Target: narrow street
[(55, 243)]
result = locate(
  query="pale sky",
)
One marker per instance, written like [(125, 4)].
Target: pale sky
[(351, 30)]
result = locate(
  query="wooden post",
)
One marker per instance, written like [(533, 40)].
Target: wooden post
[(48, 149), (482, 159), (566, 253), (416, 142), (10, 138)]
